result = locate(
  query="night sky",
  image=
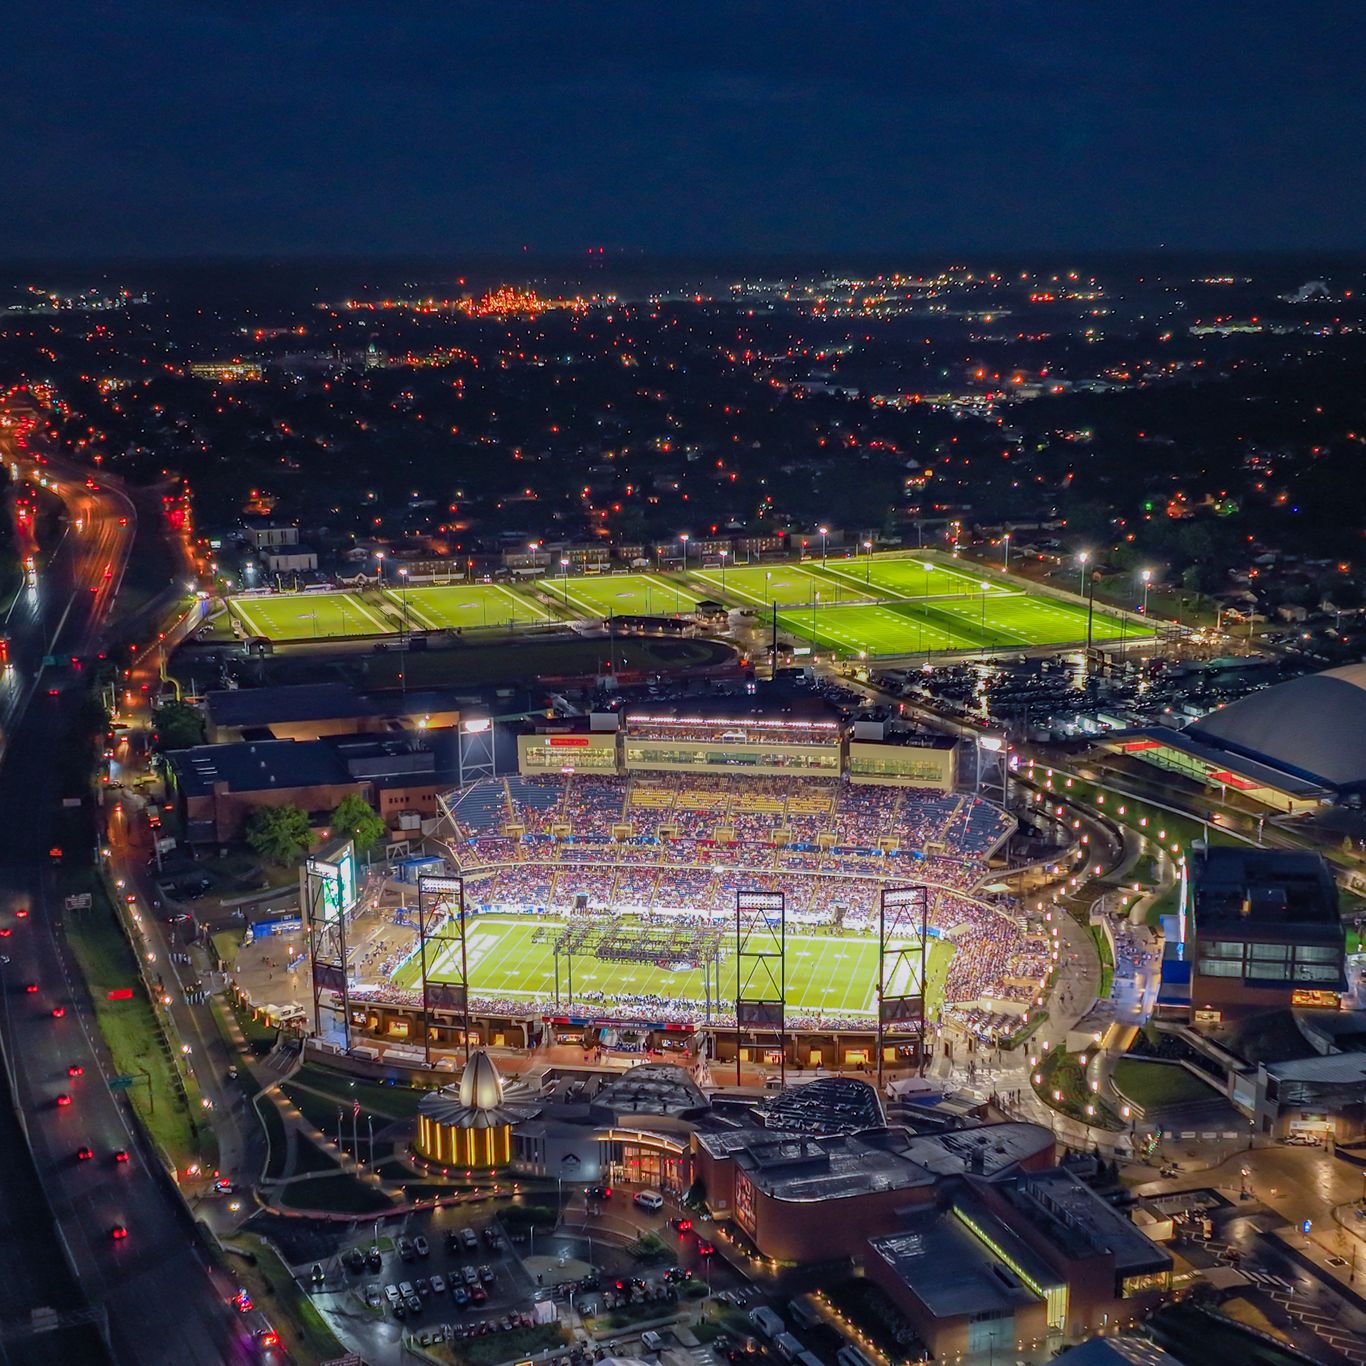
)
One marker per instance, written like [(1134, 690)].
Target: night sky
[(680, 127)]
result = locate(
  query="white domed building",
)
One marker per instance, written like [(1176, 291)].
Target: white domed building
[(470, 1124)]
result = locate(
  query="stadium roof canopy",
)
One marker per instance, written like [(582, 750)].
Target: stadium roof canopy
[(1314, 727)]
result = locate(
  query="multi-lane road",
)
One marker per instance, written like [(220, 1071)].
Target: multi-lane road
[(162, 1300)]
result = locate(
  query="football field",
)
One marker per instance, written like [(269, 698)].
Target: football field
[(465, 606), (829, 973), (311, 616), (616, 595)]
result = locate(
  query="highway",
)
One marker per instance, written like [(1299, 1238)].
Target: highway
[(162, 1300)]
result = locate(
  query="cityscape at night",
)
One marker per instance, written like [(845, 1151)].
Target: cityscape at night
[(683, 686)]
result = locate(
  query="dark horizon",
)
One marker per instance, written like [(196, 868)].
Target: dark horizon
[(168, 131)]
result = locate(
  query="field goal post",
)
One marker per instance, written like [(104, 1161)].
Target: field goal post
[(441, 923), (901, 911), (761, 970)]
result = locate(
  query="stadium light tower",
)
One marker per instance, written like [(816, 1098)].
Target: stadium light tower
[(684, 538), (379, 566), (724, 553), (1005, 541), (825, 535), (1081, 571), (1147, 577), (867, 561)]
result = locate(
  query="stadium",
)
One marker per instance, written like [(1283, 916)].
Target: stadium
[(601, 881)]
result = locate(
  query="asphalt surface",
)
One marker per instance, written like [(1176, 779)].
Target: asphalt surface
[(162, 1301)]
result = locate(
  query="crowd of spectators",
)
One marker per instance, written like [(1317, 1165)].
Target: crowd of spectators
[(786, 812)]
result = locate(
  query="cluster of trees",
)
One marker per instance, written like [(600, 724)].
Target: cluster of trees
[(283, 834)]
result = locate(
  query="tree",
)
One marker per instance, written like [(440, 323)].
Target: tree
[(178, 725), (353, 819), (279, 833)]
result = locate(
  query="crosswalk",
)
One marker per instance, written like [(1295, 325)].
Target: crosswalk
[(1267, 1280)]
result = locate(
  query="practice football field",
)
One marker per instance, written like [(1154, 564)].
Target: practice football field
[(616, 595), (465, 606), (312, 616), (825, 972), (1000, 621)]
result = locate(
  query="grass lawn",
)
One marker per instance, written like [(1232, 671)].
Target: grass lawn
[(276, 1293), (274, 1125), (1154, 1085), (1063, 1087), (608, 595), (514, 1346), (313, 616), (309, 1158), (466, 607), (339, 1194), (395, 1102), (131, 1031), (510, 956), (1107, 962)]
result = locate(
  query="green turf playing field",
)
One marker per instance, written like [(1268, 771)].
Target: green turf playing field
[(829, 973), (786, 584), (610, 595), (466, 606), (986, 622), (312, 616)]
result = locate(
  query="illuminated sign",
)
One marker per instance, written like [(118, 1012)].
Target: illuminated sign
[(567, 741), (744, 1201), (1317, 1000), (335, 878)]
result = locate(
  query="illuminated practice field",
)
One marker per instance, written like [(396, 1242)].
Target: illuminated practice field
[(305, 616), (826, 973), (879, 606), (465, 607), (617, 595)]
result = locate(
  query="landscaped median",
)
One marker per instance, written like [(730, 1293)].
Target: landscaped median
[(137, 1044), (1060, 1081)]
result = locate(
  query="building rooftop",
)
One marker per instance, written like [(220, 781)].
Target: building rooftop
[(246, 707), (803, 1168), (257, 766), (829, 1105), (1264, 890), (650, 1089), (1078, 1222), (953, 1273), (1336, 1069)]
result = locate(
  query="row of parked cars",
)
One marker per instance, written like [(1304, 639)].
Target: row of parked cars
[(468, 1286)]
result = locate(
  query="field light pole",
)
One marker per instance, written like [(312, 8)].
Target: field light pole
[(379, 566), (1005, 540), (684, 539), (1147, 577), (1081, 571), (825, 533), (723, 570), (867, 562)]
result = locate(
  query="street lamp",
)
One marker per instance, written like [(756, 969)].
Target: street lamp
[(1081, 565)]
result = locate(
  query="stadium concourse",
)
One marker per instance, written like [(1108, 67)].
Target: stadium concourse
[(658, 859)]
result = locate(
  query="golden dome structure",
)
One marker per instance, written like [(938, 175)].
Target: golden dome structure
[(470, 1124)]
